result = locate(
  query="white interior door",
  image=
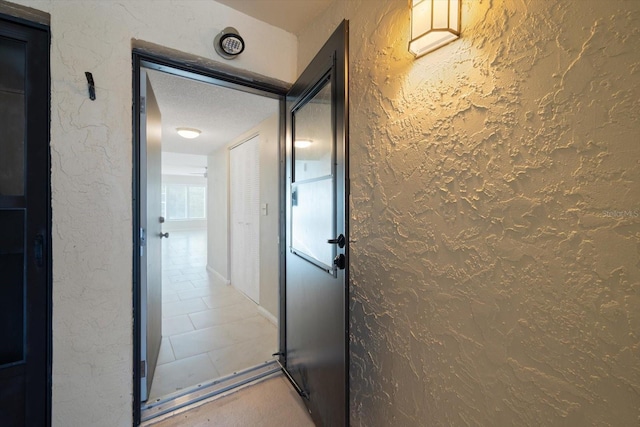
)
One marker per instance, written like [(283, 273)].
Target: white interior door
[(244, 218), (150, 234)]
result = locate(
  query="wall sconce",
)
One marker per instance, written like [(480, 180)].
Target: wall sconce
[(434, 23)]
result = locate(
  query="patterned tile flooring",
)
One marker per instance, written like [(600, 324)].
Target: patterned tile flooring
[(209, 329)]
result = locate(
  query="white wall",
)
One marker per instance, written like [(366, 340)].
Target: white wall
[(269, 228), (218, 214), (182, 225), (494, 214), (269, 224), (91, 180)]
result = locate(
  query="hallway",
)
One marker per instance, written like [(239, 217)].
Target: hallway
[(209, 329)]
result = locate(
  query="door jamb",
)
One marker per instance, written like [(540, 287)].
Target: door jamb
[(211, 75)]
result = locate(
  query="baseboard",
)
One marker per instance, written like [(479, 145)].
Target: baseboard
[(270, 317), (218, 276)]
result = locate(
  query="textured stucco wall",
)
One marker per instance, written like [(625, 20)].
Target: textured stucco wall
[(91, 180), (495, 214)]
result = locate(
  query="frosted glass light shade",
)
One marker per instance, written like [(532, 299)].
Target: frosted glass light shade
[(303, 143), (434, 23), (188, 133)]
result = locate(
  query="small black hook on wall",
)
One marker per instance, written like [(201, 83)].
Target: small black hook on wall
[(92, 86)]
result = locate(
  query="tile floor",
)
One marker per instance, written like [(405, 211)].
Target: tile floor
[(209, 329)]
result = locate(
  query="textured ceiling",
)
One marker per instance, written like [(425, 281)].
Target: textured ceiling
[(290, 15), (220, 113)]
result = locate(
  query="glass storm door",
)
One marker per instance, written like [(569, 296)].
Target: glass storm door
[(316, 310), (25, 290)]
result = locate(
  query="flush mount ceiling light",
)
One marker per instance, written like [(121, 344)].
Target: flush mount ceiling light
[(434, 23), (188, 133), (228, 43), (303, 143)]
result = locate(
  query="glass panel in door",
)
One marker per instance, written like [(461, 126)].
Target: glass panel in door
[(12, 286), (12, 116), (312, 192)]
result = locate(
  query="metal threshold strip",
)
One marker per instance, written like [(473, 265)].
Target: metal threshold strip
[(206, 390)]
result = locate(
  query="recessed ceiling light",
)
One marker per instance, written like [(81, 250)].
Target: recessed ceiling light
[(188, 133), (303, 143)]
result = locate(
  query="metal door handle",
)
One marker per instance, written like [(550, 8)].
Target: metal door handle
[(164, 235), (39, 250), (340, 241)]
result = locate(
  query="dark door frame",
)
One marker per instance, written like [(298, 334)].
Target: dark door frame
[(189, 68), (40, 379)]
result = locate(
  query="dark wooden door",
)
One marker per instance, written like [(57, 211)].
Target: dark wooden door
[(25, 230), (316, 349)]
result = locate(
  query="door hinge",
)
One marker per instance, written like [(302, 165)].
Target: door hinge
[(143, 104), (143, 369)]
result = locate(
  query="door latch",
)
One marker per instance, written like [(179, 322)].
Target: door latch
[(39, 250), (340, 241), (143, 240), (340, 262)]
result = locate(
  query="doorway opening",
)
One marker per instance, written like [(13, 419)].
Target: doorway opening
[(212, 324), (311, 236)]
